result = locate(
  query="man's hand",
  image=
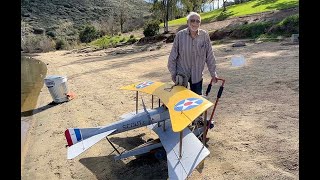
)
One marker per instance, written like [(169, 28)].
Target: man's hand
[(173, 78), (214, 79), (179, 80)]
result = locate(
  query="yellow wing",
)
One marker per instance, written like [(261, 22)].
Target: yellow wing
[(183, 104), (147, 87)]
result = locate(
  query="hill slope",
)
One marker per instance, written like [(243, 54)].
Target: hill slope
[(50, 14), (247, 8)]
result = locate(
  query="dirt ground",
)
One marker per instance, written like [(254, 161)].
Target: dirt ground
[(256, 133)]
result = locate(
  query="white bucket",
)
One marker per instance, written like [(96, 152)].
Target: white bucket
[(57, 87)]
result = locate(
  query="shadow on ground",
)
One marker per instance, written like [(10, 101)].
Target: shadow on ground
[(40, 109), (142, 167)]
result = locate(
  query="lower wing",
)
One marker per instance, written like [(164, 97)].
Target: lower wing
[(193, 151)]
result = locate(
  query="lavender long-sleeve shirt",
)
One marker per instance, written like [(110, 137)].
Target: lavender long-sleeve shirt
[(189, 56)]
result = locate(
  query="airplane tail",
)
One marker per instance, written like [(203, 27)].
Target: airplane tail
[(81, 139)]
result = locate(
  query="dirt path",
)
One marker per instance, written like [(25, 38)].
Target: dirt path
[(257, 119)]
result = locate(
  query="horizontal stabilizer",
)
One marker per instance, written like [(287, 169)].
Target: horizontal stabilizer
[(74, 135), (83, 145)]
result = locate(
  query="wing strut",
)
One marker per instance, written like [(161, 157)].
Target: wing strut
[(180, 148), (137, 102), (113, 146), (152, 101)]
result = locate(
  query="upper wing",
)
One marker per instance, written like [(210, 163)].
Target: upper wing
[(193, 151), (183, 104), (146, 87)]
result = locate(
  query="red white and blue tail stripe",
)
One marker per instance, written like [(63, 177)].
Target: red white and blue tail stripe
[(81, 139), (73, 135)]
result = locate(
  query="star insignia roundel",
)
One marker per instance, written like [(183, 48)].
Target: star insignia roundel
[(144, 84), (187, 104)]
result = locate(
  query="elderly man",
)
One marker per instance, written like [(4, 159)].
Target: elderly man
[(190, 52)]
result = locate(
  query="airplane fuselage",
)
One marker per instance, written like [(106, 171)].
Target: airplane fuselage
[(133, 121)]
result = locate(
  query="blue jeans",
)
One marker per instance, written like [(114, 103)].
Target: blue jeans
[(196, 87)]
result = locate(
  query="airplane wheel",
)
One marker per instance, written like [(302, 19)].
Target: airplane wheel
[(160, 154), (151, 139)]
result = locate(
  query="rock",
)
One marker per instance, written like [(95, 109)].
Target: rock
[(238, 44), (26, 15), (227, 49), (170, 39), (38, 30), (219, 34), (295, 38)]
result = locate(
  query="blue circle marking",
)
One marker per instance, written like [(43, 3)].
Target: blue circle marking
[(187, 104), (144, 84)]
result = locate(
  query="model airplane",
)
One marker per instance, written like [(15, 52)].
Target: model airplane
[(181, 123)]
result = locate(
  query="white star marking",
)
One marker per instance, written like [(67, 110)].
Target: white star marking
[(186, 101)]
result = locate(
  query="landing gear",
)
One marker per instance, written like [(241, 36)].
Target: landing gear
[(160, 154)]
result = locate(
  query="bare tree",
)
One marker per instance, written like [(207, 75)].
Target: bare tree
[(166, 27), (224, 5), (123, 8), (123, 18), (112, 23)]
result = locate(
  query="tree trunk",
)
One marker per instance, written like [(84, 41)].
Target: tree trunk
[(167, 17)]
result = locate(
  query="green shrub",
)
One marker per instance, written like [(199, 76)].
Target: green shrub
[(268, 37), (151, 28), (46, 44), (88, 34), (51, 34), (122, 39), (131, 36), (132, 40), (61, 44), (288, 26), (222, 16), (252, 30), (37, 43)]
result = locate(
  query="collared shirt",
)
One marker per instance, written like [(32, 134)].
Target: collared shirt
[(189, 55)]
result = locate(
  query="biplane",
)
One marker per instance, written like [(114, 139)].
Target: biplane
[(180, 121)]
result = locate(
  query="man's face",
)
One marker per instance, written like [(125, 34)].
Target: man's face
[(194, 23)]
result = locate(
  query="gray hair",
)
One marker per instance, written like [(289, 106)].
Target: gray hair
[(193, 14)]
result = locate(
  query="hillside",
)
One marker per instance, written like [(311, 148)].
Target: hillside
[(243, 9), (44, 15), (61, 21)]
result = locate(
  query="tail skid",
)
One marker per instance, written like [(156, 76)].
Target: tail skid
[(84, 144)]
